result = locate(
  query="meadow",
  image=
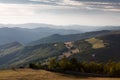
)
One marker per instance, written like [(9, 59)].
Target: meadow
[(30, 74)]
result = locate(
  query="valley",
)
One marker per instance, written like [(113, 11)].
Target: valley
[(59, 39), (95, 49)]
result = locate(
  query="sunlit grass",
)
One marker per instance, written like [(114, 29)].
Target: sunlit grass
[(29, 74)]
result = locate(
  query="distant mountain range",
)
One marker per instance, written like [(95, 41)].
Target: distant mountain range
[(20, 46), (100, 47), (71, 27), (24, 35), (33, 32)]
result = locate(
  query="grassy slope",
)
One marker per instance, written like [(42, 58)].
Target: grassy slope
[(37, 53), (28, 74)]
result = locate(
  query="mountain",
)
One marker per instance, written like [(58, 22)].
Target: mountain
[(25, 35), (101, 48), (109, 28), (81, 28), (70, 37), (29, 54), (9, 45), (9, 50)]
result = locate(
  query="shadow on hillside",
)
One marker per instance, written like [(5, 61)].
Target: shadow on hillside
[(81, 75)]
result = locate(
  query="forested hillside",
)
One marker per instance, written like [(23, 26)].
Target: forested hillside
[(99, 49)]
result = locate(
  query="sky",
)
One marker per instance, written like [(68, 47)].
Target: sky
[(61, 12)]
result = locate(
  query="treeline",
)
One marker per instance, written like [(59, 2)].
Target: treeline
[(110, 68)]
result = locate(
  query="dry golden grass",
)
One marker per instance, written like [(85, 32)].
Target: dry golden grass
[(96, 43), (29, 74)]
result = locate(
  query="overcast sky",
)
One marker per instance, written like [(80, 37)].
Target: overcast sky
[(61, 12)]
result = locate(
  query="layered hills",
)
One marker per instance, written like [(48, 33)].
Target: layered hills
[(100, 47), (33, 32), (26, 35)]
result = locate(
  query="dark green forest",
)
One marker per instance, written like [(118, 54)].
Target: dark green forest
[(110, 68)]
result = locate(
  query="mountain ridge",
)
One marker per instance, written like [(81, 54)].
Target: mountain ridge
[(70, 37), (24, 35), (80, 49)]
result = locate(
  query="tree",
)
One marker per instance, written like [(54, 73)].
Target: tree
[(64, 64), (74, 64), (35, 65), (53, 64)]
